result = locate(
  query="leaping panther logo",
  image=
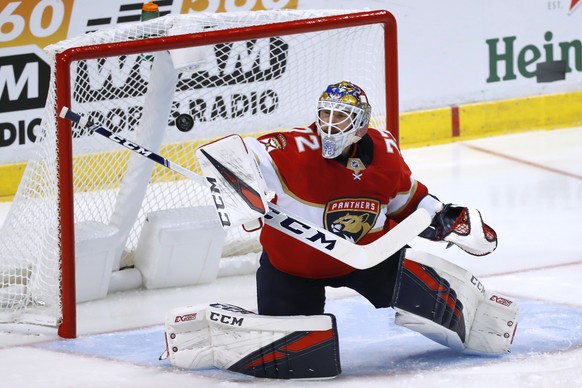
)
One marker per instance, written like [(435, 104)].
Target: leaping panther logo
[(352, 227), (351, 218)]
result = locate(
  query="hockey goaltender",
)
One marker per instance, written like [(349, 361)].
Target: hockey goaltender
[(336, 179)]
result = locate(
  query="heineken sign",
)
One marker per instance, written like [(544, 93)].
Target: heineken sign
[(509, 60)]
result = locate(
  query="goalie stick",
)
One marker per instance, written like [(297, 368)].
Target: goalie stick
[(356, 256)]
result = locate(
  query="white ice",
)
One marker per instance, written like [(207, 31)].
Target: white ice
[(527, 186)]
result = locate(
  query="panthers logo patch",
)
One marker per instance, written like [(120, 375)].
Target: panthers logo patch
[(351, 218)]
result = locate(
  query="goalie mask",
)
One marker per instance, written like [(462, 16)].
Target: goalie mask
[(343, 114)]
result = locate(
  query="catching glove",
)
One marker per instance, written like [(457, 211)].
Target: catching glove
[(463, 227)]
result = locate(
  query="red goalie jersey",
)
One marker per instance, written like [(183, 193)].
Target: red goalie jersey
[(353, 197)]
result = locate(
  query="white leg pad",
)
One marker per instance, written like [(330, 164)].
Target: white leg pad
[(494, 325), (429, 329), (188, 342), (489, 320), (231, 338)]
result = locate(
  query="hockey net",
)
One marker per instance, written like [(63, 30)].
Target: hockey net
[(170, 84)]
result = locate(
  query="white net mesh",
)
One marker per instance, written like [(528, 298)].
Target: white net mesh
[(246, 87)]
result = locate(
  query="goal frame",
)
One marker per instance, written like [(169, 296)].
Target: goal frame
[(63, 60)]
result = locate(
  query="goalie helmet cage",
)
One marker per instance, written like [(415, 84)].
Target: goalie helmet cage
[(169, 84)]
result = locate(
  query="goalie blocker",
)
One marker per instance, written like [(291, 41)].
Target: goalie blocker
[(237, 186)]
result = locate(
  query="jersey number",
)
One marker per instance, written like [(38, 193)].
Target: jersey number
[(310, 142)]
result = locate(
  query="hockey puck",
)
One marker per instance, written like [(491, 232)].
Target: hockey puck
[(184, 122)]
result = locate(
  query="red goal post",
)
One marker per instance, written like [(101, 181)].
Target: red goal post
[(293, 31)]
